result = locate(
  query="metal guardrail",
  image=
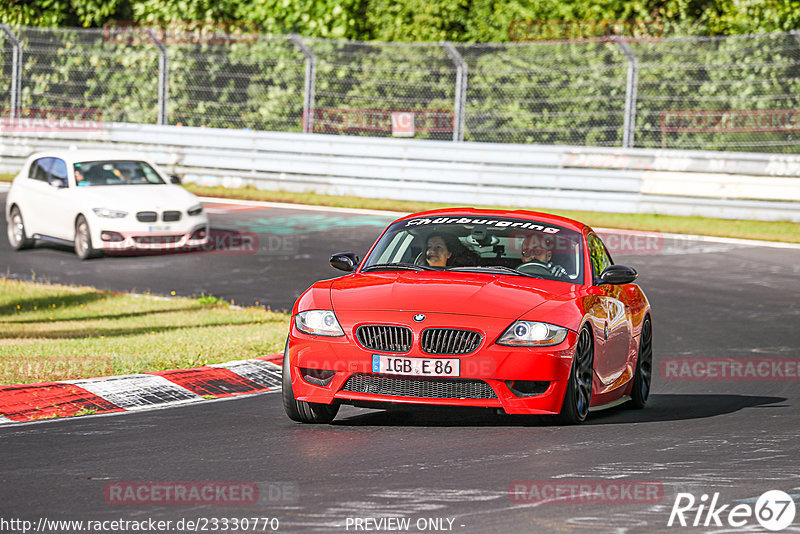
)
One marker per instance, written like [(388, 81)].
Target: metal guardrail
[(712, 184)]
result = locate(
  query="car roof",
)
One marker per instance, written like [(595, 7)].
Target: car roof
[(77, 155), (564, 222)]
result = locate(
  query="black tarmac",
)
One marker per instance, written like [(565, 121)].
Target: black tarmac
[(443, 470)]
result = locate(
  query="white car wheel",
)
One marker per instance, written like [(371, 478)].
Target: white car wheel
[(83, 239), (16, 231)]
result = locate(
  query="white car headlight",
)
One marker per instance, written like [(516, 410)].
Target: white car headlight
[(197, 209), (318, 322), (109, 214), (532, 334)]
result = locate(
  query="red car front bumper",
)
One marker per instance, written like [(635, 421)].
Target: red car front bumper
[(489, 365)]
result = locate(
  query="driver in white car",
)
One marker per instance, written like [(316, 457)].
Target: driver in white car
[(540, 253)]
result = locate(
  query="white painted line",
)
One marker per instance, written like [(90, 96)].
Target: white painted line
[(4, 186), (398, 214), (138, 392), (5, 420), (259, 371)]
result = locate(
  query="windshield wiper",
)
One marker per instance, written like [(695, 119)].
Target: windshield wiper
[(491, 268), (399, 266)]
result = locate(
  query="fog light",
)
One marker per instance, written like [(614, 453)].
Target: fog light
[(112, 237), (527, 388), (318, 377), (202, 233)]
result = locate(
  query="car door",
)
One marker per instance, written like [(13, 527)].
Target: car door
[(39, 198), (49, 198), (612, 335)]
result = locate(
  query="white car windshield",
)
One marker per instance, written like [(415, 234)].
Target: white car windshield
[(480, 244), (116, 172)]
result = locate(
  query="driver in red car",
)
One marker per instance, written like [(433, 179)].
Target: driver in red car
[(539, 252), (436, 251)]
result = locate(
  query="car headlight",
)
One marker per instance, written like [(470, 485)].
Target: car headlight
[(197, 209), (318, 322), (532, 334), (109, 214)]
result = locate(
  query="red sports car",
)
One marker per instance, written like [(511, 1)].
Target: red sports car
[(514, 310)]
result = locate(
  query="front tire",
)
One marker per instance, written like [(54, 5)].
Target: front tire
[(640, 390), (301, 411), (578, 396), (83, 239), (17, 237)]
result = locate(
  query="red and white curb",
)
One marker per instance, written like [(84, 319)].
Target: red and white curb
[(32, 402)]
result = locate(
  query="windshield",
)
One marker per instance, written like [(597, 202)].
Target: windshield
[(116, 172), (468, 243)]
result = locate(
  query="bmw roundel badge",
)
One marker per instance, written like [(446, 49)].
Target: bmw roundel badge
[(419, 317)]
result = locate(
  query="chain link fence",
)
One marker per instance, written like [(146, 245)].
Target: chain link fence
[(711, 93)]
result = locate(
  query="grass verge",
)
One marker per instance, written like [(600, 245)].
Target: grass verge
[(746, 229), (784, 231), (54, 332)]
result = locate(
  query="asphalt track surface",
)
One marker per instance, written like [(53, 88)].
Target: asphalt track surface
[(738, 438)]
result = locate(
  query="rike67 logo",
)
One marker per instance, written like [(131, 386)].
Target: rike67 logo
[(774, 510)]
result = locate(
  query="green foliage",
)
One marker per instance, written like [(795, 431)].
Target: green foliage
[(414, 20), (566, 93)]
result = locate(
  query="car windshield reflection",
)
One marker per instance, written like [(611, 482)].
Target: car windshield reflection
[(117, 172)]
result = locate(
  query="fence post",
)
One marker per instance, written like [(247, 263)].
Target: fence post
[(163, 78), (629, 121), (16, 72), (461, 90), (310, 83)]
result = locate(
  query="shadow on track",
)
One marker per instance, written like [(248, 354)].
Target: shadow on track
[(660, 408)]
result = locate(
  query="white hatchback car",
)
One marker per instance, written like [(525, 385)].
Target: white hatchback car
[(101, 201)]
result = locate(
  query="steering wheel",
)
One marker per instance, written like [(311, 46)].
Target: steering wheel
[(534, 268)]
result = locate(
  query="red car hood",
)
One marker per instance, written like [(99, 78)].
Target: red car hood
[(462, 293)]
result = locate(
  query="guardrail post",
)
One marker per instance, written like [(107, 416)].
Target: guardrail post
[(629, 121), (310, 82), (163, 78), (16, 71), (461, 90)]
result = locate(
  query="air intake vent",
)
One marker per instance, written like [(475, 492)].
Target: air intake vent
[(428, 388), (385, 338), (157, 239), (449, 341), (171, 216), (147, 216)]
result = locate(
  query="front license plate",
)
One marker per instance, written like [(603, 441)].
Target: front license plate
[(162, 228), (395, 365)]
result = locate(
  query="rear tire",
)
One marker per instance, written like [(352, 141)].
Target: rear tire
[(578, 396), (83, 239), (640, 390), (17, 237), (301, 411)]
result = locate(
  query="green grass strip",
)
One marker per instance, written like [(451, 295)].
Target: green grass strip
[(54, 332)]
